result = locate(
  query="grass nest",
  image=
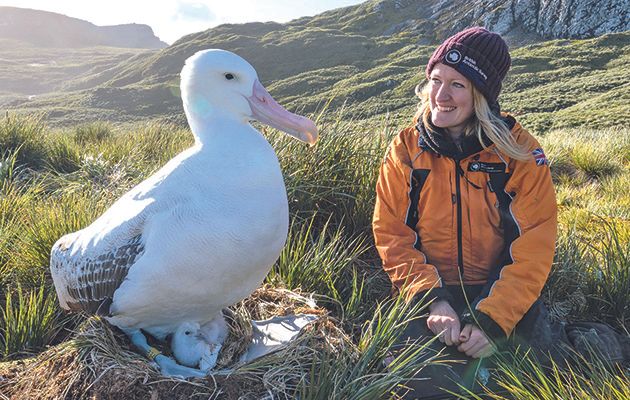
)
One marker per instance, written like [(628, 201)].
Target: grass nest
[(98, 361)]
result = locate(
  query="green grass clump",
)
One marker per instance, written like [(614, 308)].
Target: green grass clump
[(93, 133), (22, 136), (147, 145), (590, 169), (361, 375), (29, 320), (324, 262), (63, 155), (608, 277), (47, 220), (590, 278), (336, 178), (593, 163), (7, 166), (525, 378), (29, 144)]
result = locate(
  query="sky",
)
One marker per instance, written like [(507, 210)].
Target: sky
[(172, 19)]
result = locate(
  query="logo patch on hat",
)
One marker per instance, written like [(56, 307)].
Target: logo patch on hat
[(453, 56)]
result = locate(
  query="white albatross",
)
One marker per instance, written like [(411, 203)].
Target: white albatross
[(202, 232)]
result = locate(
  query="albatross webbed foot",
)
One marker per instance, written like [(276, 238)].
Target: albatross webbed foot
[(167, 366)]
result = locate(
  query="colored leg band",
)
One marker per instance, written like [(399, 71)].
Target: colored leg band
[(152, 353)]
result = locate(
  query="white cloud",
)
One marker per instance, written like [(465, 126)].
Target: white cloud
[(188, 11)]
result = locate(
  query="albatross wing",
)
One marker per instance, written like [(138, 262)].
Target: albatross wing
[(88, 283)]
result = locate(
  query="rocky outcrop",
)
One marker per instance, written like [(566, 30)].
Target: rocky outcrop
[(130, 35), (47, 29), (544, 19), (570, 19)]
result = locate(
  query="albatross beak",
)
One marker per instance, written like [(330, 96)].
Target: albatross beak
[(266, 110)]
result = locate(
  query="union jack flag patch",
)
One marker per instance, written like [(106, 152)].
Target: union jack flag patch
[(539, 156)]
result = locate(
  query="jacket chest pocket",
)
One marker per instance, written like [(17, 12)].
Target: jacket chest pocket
[(430, 212), (487, 210)]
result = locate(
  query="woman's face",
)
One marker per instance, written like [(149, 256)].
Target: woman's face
[(450, 98)]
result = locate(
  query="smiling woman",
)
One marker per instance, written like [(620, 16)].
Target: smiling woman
[(465, 215), (450, 99)]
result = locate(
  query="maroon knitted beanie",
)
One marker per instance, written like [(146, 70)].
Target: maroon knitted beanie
[(478, 54)]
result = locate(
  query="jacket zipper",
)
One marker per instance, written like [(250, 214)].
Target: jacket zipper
[(460, 251)]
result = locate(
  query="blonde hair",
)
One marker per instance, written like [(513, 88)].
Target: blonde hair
[(482, 121)]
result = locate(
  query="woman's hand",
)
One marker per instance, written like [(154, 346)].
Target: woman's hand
[(444, 322), (475, 343)]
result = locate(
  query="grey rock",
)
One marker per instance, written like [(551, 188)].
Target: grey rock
[(392, 4), (548, 19), (408, 25), (569, 18)]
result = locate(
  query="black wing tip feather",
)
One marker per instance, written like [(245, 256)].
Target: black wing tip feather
[(91, 307)]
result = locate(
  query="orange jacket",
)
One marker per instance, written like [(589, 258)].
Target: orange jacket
[(441, 213)]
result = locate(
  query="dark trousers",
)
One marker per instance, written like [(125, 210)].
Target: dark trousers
[(535, 331)]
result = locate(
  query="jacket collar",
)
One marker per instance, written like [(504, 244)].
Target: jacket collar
[(439, 142)]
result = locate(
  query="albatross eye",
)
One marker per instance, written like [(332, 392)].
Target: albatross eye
[(229, 76), (187, 333)]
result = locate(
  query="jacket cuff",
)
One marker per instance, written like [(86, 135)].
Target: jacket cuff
[(433, 294), (485, 323)]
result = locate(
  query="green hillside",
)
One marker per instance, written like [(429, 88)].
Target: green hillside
[(32, 76), (572, 83), (365, 58)]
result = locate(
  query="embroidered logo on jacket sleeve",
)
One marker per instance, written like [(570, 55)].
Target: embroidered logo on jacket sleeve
[(539, 156)]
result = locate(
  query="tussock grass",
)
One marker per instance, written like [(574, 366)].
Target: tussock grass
[(7, 166), (608, 278), (49, 219), (31, 221), (360, 374), (335, 178), (30, 319), (93, 133), (323, 262), (62, 181), (590, 169), (64, 156), (148, 145), (23, 137), (523, 378), (590, 278), (593, 163), (596, 154)]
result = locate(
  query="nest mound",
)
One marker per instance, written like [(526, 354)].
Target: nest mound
[(98, 362)]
